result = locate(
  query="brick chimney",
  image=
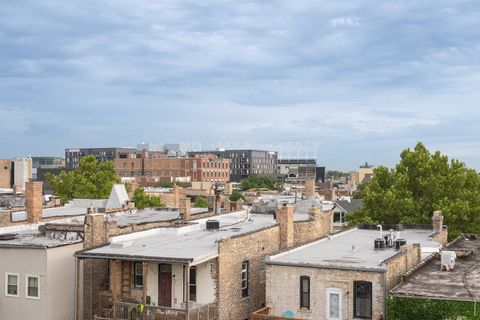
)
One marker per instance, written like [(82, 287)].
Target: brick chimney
[(185, 205), (33, 200), (310, 189), (284, 216), (437, 221), (94, 229), (15, 189)]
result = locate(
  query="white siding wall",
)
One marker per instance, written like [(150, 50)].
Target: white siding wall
[(23, 261), (205, 283)]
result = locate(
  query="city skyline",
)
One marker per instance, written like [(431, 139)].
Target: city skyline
[(361, 80)]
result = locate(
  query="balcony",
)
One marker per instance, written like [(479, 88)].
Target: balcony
[(135, 311)]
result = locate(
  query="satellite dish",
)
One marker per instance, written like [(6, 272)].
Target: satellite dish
[(288, 314)]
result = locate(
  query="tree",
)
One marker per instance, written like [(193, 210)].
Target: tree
[(143, 200), (236, 195), (335, 175), (260, 182), (200, 202), (420, 184), (91, 180)]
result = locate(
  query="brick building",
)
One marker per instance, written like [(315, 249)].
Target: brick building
[(197, 168), (6, 173), (347, 275), (218, 269)]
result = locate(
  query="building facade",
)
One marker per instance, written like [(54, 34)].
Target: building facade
[(6, 173), (73, 155), (244, 163), (296, 170)]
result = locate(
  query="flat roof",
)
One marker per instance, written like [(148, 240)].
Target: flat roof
[(133, 217), (52, 212), (336, 251), (461, 283), (191, 243)]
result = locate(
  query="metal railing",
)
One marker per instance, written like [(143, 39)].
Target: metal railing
[(134, 311)]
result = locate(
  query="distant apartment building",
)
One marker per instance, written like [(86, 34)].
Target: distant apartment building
[(15, 172), (244, 163), (363, 174), (156, 165), (296, 170), (6, 173), (46, 164), (73, 155)]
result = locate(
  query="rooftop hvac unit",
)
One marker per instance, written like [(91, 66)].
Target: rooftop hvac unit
[(379, 244), (213, 224), (399, 243), (448, 260)]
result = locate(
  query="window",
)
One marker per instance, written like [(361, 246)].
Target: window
[(11, 285), (138, 274), (245, 279), (334, 304), (33, 287), (193, 284), (305, 292), (362, 299)]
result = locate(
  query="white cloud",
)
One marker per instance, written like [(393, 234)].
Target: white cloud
[(345, 21)]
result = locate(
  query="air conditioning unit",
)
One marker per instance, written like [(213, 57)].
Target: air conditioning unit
[(447, 260)]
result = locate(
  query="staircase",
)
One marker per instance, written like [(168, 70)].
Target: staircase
[(126, 279)]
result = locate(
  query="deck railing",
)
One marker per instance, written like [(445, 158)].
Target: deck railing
[(264, 314), (133, 311)]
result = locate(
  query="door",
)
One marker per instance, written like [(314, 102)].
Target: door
[(165, 285)]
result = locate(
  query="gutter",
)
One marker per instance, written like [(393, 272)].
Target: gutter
[(85, 255), (319, 266)]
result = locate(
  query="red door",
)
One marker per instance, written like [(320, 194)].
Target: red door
[(165, 285)]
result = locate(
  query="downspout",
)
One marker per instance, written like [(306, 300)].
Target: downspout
[(75, 293), (385, 295), (187, 290)]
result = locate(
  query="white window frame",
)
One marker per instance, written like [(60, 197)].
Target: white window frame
[(328, 292), (6, 284), (26, 286)]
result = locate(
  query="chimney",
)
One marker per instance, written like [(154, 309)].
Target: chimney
[(437, 221), (33, 200), (314, 213), (185, 205), (95, 231), (15, 189), (310, 189), (284, 217)]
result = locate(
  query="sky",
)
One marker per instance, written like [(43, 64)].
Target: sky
[(355, 81)]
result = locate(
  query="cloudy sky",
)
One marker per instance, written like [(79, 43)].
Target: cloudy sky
[(358, 80)]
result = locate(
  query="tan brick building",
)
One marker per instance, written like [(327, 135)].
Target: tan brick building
[(219, 270), (344, 276), (6, 173)]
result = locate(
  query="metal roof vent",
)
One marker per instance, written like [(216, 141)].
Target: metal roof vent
[(399, 242), (379, 244), (213, 224), (7, 236)]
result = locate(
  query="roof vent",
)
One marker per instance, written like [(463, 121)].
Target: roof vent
[(123, 244), (7, 236), (213, 224), (379, 244)]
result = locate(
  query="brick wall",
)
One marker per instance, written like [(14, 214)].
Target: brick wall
[(5, 173), (319, 225), (283, 290), (232, 252), (408, 257), (33, 200)]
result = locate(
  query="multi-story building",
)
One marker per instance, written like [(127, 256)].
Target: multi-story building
[(73, 155), (47, 164), (296, 170), (347, 275), (244, 163), (6, 173), (148, 164)]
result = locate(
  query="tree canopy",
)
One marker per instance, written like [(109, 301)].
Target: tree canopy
[(91, 180), (200, 202), (421, 183), (143, 200), (260, 182), (335, 175), (236, 195)]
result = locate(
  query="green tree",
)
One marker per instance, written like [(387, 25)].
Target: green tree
[(260, 182), (420, 184), (335, 175), (200, 202), (236, 195), (91, 180), (143, 200)]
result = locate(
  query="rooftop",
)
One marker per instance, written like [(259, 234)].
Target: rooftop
[(351, 249), (350, 205), (462, 283), (191, 243), (52, 212)]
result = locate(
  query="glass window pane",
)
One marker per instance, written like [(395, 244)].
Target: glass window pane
[(32, 290), (12, 280), (334, 305)]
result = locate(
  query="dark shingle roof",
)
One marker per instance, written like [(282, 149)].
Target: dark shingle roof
[(350, 206)]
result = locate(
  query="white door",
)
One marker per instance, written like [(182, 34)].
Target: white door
[(334, 304)]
